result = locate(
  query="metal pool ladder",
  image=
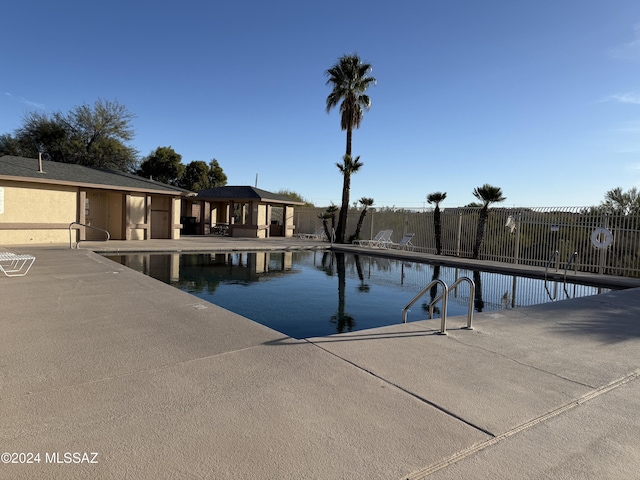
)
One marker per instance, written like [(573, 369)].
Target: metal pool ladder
[(554, 297), (444, 296)]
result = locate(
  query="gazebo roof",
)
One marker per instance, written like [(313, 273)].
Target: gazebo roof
[(244, 193)]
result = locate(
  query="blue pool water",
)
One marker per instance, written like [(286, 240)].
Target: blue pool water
[(311, 293)]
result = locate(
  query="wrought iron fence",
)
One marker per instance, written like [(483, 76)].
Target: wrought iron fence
[(526, 236)]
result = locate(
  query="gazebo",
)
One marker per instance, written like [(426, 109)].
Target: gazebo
[(238, 211)]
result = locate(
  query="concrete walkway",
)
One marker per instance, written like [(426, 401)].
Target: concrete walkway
[(95, 357)]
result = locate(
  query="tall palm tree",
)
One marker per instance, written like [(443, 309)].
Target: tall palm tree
[(349, 79), (348, 167), (487, 194), (437, 197), (366, 203)]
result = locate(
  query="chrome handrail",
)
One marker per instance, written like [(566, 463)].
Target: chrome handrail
[(555, 254), (472, 296), (444, 297), (422, 292), (87, 226), (573, 256)]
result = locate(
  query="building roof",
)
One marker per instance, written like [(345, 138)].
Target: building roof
[(27, 170), (244, 193)]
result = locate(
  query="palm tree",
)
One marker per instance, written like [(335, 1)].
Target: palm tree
[(487, 194), (325, 216), (366, 203), (348, 167), (349, 79), (437, 197), (331, 212)]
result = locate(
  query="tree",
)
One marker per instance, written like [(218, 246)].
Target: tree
[(10, 145), (101, 131), (437, 197), (94, 136), (217, 177), (487, 194), (49, 136), (325, 216), (195, 176), (366, 203), (349, 79), (294, 196), (617, 201), (163, 165), (329, 214), (348, 167), (331, 211)]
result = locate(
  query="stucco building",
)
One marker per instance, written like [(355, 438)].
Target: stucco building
[(39, 200)]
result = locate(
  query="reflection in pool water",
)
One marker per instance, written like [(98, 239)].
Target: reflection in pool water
[(312, 293)]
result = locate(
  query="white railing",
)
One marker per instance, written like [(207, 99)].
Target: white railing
[(537, 234)]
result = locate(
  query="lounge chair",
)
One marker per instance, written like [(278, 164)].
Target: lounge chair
[(15, 265), (364, 243), (317, 235), (385, 241), (404, 243), (381, 240)]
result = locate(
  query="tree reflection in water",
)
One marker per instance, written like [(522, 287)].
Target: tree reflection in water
[(478, 302), (364, 287), (433, 291), (341, 318)]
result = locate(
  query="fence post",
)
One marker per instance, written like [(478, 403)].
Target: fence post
[(459, 233), (371, 225), (602, 252)]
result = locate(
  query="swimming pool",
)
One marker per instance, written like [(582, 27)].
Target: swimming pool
[(314, 293)]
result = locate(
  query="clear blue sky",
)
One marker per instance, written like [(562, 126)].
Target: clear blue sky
[(540, 98)]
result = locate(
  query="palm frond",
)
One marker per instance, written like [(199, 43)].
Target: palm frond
[(488, 194), (436, 197)]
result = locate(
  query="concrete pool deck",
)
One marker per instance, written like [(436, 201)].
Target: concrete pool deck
[(95, 357)]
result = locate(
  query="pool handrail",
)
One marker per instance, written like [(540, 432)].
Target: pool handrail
[(472, 296), (437, 281), (554, 297), (573, 256), (555, 254), (445, 303), (444, 297), (87, 226)]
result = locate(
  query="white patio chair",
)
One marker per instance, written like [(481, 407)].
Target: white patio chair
[(15, 265), (404, 243), (383, 237), (317, 235), (385, 241), (364, 243)]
